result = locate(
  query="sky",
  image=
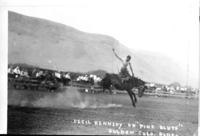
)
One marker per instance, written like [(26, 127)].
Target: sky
[(169, 27)]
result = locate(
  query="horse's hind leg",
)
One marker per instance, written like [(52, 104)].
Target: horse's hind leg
[(130, 94)]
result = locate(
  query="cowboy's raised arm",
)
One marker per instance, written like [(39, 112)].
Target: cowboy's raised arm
[(131, 69), (117, 55)]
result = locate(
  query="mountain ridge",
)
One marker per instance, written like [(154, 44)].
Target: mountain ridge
[(53, 45)]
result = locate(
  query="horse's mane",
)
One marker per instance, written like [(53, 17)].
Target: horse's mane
[(135, 80)]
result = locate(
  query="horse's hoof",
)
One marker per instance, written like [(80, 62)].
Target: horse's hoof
[(134, 105)]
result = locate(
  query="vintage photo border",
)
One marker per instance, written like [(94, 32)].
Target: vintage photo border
[(4, 57)]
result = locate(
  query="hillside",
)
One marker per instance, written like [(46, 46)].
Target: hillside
[(52, 45)]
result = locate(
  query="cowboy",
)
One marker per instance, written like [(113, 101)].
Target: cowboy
[(124, 74)]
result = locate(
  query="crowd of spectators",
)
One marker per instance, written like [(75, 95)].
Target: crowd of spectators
[(171, 89), (19, 72)]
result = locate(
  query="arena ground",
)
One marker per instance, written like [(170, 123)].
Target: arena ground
[(72, 112)]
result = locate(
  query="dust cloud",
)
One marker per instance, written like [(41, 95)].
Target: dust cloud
[(69, 97)]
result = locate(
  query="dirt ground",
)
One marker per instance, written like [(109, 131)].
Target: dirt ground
[(71, 112)]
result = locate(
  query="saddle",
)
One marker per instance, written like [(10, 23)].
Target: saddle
[(124, 79), (124, 75)]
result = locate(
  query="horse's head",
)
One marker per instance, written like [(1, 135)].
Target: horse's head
[(138, 83), (141, 90)]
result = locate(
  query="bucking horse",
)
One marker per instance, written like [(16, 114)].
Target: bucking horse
[(127, 85)]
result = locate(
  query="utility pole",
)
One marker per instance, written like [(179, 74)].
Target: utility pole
[(199, 49), (187, 72), (199, 69)]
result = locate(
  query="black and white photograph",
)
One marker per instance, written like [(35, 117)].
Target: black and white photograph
[(100, 67)]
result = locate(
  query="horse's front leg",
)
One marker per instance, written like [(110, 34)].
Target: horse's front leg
[(103, 90), (110, 91), (134, 95)]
